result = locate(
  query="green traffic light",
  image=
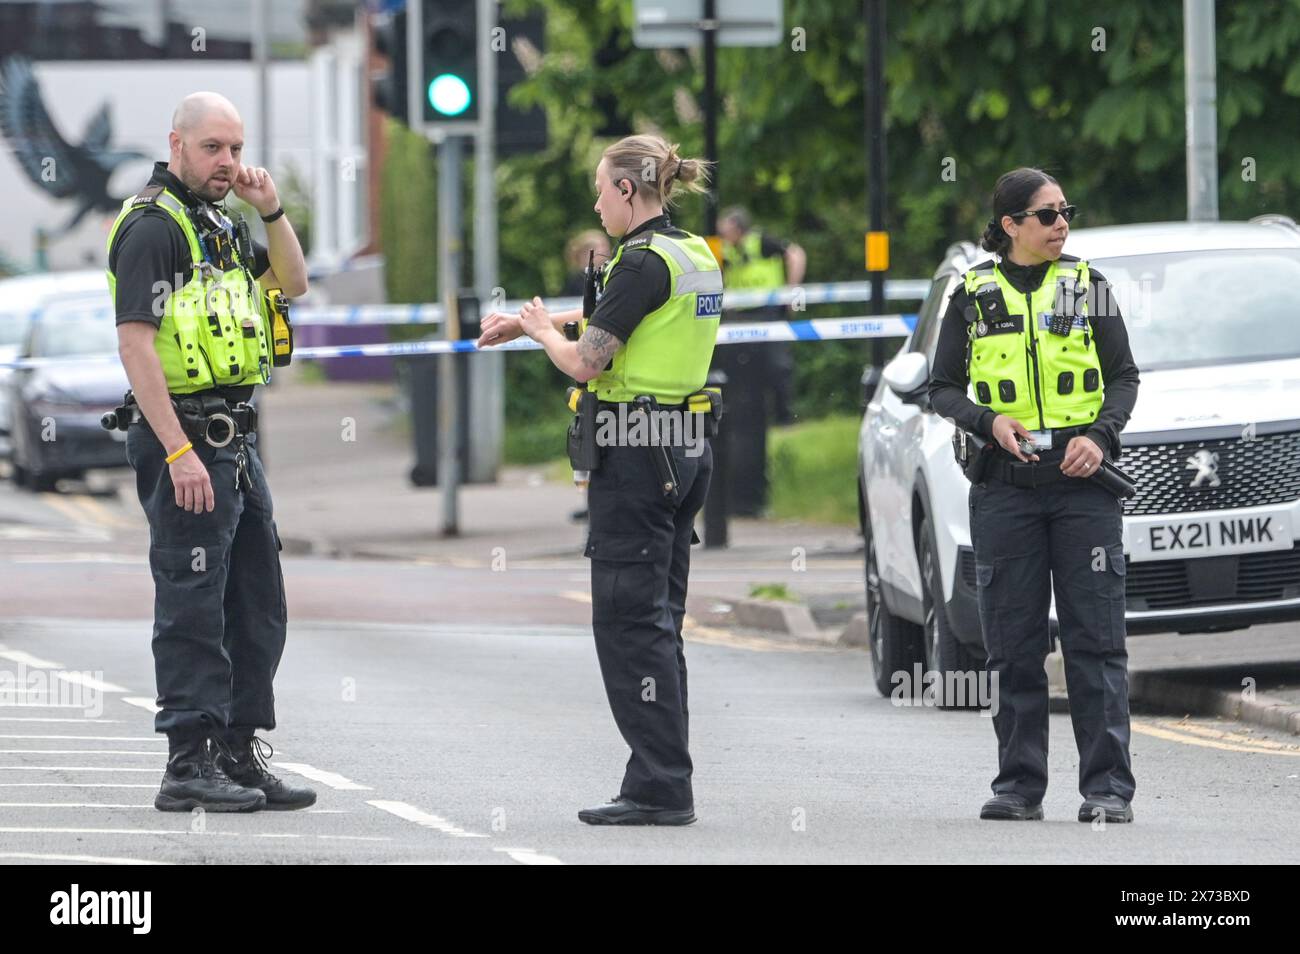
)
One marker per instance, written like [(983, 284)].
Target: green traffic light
[(449, 94)]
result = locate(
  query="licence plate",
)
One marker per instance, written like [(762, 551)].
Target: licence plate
[(1256, 531)]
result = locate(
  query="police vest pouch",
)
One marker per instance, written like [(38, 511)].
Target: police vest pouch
[(707, 401), (1111, 478), (584, 454), (277, 311), (973, 454)]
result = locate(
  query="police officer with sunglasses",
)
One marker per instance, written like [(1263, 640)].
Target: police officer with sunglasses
[(1036, 337)]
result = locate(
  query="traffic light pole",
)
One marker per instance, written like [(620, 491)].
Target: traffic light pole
[(450, 225), (487, 371)]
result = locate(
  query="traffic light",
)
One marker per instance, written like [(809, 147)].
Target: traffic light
[(449, 60), (388, 85)]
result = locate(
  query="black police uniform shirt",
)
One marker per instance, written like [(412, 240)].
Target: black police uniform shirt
[(149, 248), (639, 284), (1119, 372)]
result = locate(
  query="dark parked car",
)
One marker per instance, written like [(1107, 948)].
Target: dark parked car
[(55, 406)]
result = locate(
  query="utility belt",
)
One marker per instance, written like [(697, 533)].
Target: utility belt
[(981, 460), (585, 451), (207, 417)]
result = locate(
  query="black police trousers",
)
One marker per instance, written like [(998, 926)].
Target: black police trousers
[(1065, 535), (640, 549), (219, 608)]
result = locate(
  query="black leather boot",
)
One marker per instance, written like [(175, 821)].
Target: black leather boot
[(244, 758), (192, 781)]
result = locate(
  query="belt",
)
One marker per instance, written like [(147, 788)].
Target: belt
[(615, 405), (211, 419), (1033, 474)]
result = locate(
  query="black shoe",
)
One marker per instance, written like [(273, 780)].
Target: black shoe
[(1011, 808), (624, 811), (1114, 808), (192, 780), (244, 760)]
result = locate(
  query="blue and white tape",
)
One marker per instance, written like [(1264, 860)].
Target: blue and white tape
[(431, 313), (815, 329)]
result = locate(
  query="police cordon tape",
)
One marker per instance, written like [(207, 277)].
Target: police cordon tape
[(431, 313), (737, 299), (813, 329)]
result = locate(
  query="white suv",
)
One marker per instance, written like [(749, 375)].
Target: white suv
[(1212, 539)]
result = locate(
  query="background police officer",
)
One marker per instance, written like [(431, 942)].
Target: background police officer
[(651, 334), (752, 258), (190, 325), (1017, 334)]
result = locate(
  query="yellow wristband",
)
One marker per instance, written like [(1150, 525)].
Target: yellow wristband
[(188, 446)]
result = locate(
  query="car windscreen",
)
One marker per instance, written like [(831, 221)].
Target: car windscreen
[(13, 327), (1208, 307), (69, 337)]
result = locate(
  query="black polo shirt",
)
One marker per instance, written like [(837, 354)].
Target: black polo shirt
[(150, 248)]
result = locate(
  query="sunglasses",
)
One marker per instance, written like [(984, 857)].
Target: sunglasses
[(1048, 216)]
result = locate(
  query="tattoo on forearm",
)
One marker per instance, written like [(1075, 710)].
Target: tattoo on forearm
[(596, 347)]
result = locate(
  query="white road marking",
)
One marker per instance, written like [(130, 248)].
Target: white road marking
[(27, 659), (82, 534), (71, 805), (43, 705), (43, 719), (332, 779), (90, 682), (82, 558), (78, 859), (34, 830), (413, 814), (526, 856), (70, 768), (77, 752), (142, 702), (74, 785), (90, 738)]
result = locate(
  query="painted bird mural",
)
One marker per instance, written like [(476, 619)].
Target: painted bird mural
[(79, 173)]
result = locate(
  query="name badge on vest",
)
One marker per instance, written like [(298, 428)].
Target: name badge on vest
[(708, 305), (1009, 324)]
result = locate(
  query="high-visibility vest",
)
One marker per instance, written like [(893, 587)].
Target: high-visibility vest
[(213, 330), (1017, 366), (668, 353)]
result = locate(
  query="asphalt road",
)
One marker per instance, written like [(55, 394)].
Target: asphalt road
[(451, 713)]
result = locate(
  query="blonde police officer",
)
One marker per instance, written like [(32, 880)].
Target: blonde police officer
[(647, 344)]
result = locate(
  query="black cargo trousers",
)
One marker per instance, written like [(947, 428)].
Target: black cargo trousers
[(640, 549), (219, 606), (1063, 537)]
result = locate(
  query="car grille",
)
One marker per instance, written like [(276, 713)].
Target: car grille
[(1202, 581), (1252, 473), (1239, 578)]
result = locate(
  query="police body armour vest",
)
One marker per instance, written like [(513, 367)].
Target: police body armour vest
[(668, 353), (212, 332), (747, 267), (1019, 363)]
